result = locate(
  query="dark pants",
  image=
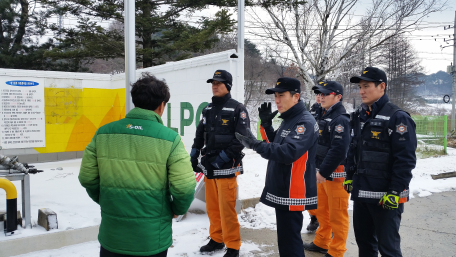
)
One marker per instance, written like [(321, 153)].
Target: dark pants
[(377, 229), (106, 253), (289, 225)]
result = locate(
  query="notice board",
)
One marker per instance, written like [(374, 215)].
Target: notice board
[(22, 113)]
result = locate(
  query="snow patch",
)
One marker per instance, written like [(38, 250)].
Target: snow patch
[(188, 236), (263, 216)]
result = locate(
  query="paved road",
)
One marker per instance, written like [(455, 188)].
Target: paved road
[(428, 229)]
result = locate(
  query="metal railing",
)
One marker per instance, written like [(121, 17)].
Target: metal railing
[(432, 132)]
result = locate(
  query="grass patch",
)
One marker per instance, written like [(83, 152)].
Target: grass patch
[(424, 151)]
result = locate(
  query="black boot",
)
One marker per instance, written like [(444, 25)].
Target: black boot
[(231, 253), (313, 225), (312, 247), (212, 246)]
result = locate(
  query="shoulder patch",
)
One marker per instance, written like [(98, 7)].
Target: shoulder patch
[(339, 128), (316, 127), (243, 115), (300, 129), (401, 128)]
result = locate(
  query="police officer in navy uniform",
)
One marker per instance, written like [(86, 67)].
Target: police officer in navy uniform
[(316, 111), (333, 142), (290, 180), (380, 163), (221, 162)]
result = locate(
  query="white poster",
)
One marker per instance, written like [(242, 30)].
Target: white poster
[(22, 112)]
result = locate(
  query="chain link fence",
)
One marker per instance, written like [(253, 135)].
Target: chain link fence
[(431, 133)]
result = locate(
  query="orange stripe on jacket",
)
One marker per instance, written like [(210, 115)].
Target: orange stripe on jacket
[(297, 183), (263, 134)]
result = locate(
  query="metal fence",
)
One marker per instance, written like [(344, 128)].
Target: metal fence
[(431, 132)]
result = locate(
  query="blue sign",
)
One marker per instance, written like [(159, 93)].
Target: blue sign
[(22, 83)]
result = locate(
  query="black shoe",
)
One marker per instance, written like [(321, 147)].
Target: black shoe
[(231, 253), (313, 225), (312, 247), (212, 246), (327, 255)]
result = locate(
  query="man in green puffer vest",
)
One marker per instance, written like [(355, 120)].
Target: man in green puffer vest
[(140, 174)]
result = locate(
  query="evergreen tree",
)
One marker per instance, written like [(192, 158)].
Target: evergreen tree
[(161, 34)]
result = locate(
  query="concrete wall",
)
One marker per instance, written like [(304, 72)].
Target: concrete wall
[(77, 104)]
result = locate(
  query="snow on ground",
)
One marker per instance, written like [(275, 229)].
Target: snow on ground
[(251, 183), (422, 185), (188, 236), (60, 191), (446, 106)]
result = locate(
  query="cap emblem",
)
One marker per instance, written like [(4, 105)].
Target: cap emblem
[(278, 83), (366, 71)]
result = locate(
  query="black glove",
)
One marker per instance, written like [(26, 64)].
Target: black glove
[(248, 141), (221, 159), (390, 200), (194, 154), (266, 115), (194, 164), (197, 168), (348, 185)]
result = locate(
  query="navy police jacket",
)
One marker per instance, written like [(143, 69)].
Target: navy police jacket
[(382, 154), (221, 119), (333, 141), (291, 176)]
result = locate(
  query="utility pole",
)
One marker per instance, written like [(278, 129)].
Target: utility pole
[(454, 77), (240, 48), (130, 51), (452, 69)]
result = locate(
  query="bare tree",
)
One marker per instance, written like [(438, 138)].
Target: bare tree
[(404, 71), (259, 73), (321, 36)]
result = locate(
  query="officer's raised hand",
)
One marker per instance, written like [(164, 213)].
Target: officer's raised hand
[(249, 141), (266, 115)]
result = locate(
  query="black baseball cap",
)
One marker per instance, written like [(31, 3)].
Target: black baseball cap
[(285, 84), (327, 87), (370, 74), (222, 76)]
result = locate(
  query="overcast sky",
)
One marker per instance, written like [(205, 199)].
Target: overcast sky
[(433, 57)]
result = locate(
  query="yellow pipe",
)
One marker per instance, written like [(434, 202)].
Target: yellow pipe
[(8, 186)]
